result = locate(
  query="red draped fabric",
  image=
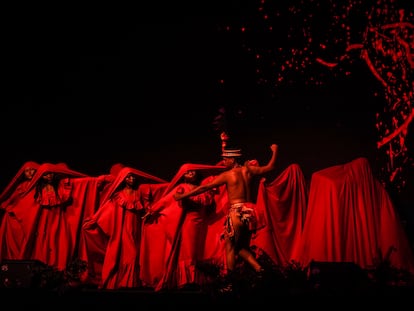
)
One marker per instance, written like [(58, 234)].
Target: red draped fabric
[(112, 235), (154, 244), (281, 205), (11, 230), (48, 236), (86, 192), (187, 239), (120, 267), (168, 227), (351, 218), (214, 252)]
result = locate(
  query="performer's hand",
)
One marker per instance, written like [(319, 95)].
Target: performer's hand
[(151, 217), (178, 196), (274, 147), (146, 215)]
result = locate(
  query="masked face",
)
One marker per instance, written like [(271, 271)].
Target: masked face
[(190, 176), (29, 172), (48, 177), (131, 179)]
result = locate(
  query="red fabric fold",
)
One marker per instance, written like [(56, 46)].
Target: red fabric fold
[(282, 205), (351, 218)]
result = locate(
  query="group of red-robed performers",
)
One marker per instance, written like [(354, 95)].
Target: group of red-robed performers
[(131, 231)]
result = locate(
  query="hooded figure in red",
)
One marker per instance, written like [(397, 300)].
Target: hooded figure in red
[(113, 233), (174, 232), (43, 212), (19, 182), (11, 231)]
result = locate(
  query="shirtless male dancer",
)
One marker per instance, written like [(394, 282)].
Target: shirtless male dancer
[(241, 216)]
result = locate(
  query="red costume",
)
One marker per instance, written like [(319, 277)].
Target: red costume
[(185, 228), (45, 217), (113, 233), (11, 230)]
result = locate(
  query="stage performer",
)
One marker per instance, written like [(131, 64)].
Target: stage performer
[(241, 220)]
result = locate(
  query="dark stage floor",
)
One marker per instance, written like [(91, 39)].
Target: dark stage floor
[(142, 298), (322, 284)]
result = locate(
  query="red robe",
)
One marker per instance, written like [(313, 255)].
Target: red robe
[(167, 256), (11, 230), (187, 243), (48, 235), (112, 235)]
